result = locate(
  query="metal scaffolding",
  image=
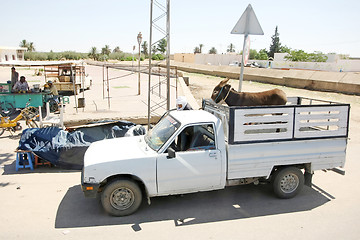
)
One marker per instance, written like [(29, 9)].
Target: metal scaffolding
[(158, 11)]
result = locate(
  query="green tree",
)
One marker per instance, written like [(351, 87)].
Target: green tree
[(231, 48), (201, 46), (103, 57), (262, 55), (51, 56), (317, 57), (197, 50), (297, 56), (158, 56), (284, 49), (154, 50), (117, 50), (252, 54), (23, 44), (161, 47), (275, 45), (213, 50), (31, 47), (145, 49), (93, 53), (106, 50), (302, 56)]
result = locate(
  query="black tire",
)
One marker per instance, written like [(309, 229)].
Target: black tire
[(121, 197), (288, 182), (2, 130)]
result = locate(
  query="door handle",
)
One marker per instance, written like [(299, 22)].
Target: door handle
[(212, 154)]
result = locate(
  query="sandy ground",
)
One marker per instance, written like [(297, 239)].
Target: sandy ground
[(114, 99), (48, 203)]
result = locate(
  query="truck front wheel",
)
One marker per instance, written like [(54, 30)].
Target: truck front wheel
[(121, 197), (288, 182)]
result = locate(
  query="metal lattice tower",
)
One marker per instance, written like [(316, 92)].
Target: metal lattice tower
[(160, 21)]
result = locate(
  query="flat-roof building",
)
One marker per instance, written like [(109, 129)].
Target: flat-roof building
[(9, 54)]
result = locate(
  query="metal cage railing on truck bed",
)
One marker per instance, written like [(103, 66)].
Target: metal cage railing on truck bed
[(300, 119)]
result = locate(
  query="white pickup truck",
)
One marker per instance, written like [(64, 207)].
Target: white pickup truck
[(203, 150)]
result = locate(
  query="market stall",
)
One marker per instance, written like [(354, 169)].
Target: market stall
[(66, 75)]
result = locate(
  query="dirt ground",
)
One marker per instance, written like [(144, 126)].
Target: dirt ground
[(48, 203)]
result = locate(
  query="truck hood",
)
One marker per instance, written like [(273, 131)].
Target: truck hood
[(116, 149)]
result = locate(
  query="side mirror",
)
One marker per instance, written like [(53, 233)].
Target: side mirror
[(171, 153)]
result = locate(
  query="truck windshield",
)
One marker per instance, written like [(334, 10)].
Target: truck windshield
[(157, 136)]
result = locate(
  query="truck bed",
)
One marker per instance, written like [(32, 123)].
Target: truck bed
[(305, 131), (300, 119)]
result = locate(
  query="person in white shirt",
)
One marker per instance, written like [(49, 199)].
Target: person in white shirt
[(21, 85)]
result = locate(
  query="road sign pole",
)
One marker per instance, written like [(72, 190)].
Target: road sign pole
[(242, 64), (247, 24)]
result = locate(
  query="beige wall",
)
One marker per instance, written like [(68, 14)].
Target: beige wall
[(11, 54), (184, 57), (336, 65), (345, 82)]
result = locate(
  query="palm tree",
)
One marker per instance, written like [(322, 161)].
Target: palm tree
[(201, 46), (213, 51), (23, 43), (231, 48), (117, 50), (93, 53), (106, 50), (197, 50), (31, 47)]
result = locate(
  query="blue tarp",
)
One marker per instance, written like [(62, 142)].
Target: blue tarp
[(66, 149)]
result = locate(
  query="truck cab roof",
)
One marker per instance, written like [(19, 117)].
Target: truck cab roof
[(193, 116)]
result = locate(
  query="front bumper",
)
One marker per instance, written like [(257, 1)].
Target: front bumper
[(90, 190)]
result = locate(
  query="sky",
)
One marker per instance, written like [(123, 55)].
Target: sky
[(328, 26)]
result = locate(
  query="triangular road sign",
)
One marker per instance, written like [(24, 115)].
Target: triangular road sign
[(248, 23)]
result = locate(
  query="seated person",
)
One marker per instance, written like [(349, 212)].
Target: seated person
[(21, 85), (182, 104), (52, 88)]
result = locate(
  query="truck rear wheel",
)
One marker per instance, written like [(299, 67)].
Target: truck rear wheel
[(121, 197), (288, 182)]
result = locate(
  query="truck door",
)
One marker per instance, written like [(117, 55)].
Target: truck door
[(196, 165)]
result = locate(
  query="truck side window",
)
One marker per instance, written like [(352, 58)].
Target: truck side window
[(199, 137)]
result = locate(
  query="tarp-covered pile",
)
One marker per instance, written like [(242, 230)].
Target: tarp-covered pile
[(66, 149)]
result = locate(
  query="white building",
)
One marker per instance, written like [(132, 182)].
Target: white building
[(9, 54)]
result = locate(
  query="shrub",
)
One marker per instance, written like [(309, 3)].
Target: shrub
[(130, 58), (103, 57), (117, 56), (158, 56)]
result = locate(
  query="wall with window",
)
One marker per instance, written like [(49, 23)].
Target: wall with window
[(8, 54)]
